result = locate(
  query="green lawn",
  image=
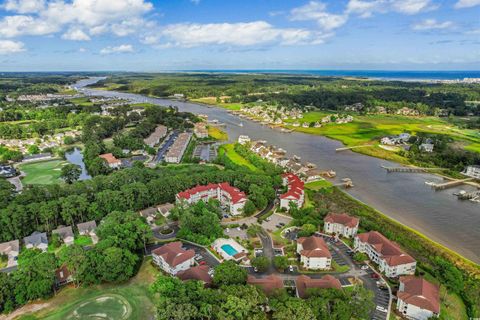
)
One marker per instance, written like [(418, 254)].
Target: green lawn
[(217, 133), (45, 172), (131, 300), (213, 101), (83, 241), (229, 150), (317, 185)]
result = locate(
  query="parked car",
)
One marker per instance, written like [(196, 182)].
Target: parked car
[(203, 263), (375, 276), (365, 267), (290, 268), (382, 309), (255, 269)]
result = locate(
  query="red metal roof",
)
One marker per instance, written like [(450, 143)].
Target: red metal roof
[(173, 253), (326, 282), (421, 293), (234, 193), (389, 250), (343, 218)]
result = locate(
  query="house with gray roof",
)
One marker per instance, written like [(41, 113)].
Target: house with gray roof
[(37, 240), (88, 229), (66, 234)]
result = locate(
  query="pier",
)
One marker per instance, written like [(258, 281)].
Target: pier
[(469, 195), (409, 169), (354, 147), (450, 184)]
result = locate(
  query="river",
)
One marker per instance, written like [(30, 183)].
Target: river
[(402, 196)]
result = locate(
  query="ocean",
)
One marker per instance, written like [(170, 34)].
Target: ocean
[(372, 74)]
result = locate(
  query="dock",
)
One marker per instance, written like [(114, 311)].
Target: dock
[(469, 195), (450, 184), (354, 147), (409, 169)]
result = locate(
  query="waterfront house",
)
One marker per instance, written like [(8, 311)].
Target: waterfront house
[(417, 298), (111, 161), (231, 199), (388, 255), (314, 253), (295, 192), (341, 224), (37, 240), (304, 283), (65, 234), (426, 147), (200, 273), (269, 284), (172, 258), (242, 139), (472, 171)]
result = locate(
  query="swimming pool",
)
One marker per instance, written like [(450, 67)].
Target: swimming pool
[(229, 249)]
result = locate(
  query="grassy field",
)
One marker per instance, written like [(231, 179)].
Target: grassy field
[(230, 152), (131, 300), (317, 185), (45, 172), (213, 101), (83, 241), (217, 133)]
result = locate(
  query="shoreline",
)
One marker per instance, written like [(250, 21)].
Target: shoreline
[(352, 148), (439, 239)]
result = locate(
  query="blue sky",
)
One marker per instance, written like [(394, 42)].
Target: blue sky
[(141, 35)]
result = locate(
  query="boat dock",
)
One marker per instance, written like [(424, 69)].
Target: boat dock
[(450, 184), (409, 169), (350, 148), (468, 195)]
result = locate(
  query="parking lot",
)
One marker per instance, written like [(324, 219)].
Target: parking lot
[(205, 151), (236, 232), (275, 222)]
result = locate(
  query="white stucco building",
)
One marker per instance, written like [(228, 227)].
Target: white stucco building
[(231, 199), (418, 299), (172, 258), (389, 257), (314, 253), (341, 225), (472, 171), (295, 193)]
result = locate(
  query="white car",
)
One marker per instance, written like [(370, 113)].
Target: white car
[(365, 267), (290, 268), (382, 309)]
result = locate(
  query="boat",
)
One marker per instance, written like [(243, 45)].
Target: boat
[(240, 124)]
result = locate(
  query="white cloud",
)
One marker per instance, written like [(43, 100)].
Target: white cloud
[(366, 8), (24, 6), (467, 3), (316, 11), (76, 35), (413, 6), (13, 26), (121, 17), (124, 48), (9, 46), (432, 24), (233, 34), (195, 1)]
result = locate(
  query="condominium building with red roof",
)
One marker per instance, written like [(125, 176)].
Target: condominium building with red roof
[(231, 198), (314, 253), (341, 225), (172, 258), (391, 259), (417, 298), (295, 193), (305, 283), (268, 284)]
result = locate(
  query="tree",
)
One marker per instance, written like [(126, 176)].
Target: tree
[(249, 208), (280, 262), (126, 230), (55, 240), (307, 230), (70, 173), (33, 149), (261, 263), (360, 257), (288, 308), (229, 273)]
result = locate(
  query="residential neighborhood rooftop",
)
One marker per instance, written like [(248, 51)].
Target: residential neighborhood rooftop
[(419, 292), (342, 218), (390, 251), (173, 253), (326, 282)]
